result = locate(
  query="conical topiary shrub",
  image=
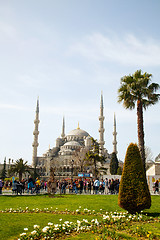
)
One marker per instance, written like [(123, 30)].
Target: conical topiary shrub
[(134, 194)]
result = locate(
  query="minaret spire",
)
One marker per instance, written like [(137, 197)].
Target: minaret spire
[(63, 128), (114, 136), (78, 126), (101, 128), (35, 133)]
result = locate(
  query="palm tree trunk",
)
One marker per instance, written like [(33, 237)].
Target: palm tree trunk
[(141, 132), (20, 176)]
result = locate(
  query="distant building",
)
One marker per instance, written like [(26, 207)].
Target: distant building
[(154, 169), (62, 155)]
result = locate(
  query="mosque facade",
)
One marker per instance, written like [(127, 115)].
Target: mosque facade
[(70, 149)]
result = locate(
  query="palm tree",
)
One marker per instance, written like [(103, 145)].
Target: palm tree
[(137, 89), (19, 167)]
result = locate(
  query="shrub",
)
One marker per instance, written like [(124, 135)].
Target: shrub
[(119, 171), (134, 194)]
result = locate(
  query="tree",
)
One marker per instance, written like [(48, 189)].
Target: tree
[(19, 167), (79, 160), (136, 89), (93, 158), (113, 164), (134, 194), (4, 171), (119, 171), (148, 154), (35, 173)]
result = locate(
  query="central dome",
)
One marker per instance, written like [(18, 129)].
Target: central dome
[(78, 132)]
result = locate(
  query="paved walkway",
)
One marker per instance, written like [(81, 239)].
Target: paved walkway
[(9, 193)]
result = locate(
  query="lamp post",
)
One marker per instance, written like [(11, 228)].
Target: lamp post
[(72, 162)]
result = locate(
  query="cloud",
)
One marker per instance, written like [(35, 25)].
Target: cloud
[(10, 106), (128, 51), (7, 31)]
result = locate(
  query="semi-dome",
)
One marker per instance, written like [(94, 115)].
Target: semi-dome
[(78, 132), (72, 143)]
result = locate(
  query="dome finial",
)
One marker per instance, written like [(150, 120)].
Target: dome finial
[(78, 126)]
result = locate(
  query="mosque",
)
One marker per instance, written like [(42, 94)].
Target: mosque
[(70, 149)]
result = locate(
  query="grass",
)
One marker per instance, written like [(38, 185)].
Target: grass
[(12, 224), (71, 202)]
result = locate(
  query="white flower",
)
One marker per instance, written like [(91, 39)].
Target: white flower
[(34, 232), (45, 229), (79, 223), (85, 220), (66, 222), (22, 234), (56, 228), (50, 224), (60, 219), (96, 222), (36, 226), (25, 229)]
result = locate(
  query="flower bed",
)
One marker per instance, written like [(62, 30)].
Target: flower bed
[(111, 226)]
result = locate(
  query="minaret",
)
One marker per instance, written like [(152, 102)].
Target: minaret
[(101, 128), (114, 136), (63, 129), (35, 133)]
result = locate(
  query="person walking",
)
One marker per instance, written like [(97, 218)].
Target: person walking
[(96, 184), (89, 186), (1, 185), (81, 185), (156, 186), (106, 186), (74, 187)]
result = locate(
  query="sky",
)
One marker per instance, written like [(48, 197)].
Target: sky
[(66, 53)]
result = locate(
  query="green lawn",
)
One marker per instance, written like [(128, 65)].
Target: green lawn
[(72, 202), (12, 224)]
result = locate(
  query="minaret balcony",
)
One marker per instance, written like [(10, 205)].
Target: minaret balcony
[(35, 144), (101, 118), (36, 132), (114, 133), (101, 130), (36, 121)]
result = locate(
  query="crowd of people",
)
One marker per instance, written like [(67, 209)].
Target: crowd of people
[(77, 186), (24, 186), (89, 186)]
